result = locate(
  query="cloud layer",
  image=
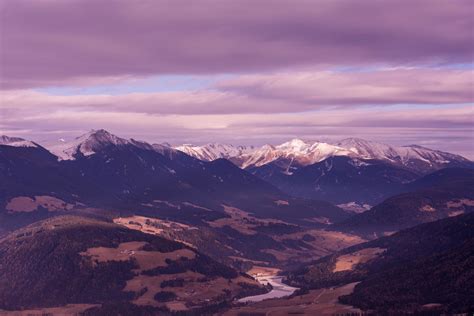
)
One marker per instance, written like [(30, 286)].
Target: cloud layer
[(288, 92), (52, 42), (440, 128)]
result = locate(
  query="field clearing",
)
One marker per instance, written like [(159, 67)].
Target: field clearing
[(317, 242), (316, 302), (322, 243), (153, 226), (152, 284), (70, 309), (259, 270), (194, 291), (242, 221), (349, 261), (146, 260), (27, 204)]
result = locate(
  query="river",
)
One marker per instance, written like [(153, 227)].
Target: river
[(279, 289)]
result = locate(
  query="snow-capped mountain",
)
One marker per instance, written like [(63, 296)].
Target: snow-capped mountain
[(93, 141), (297, 153), (294, 152), (213, 151), (413, 157), (351, 170), (102, 164), (368, 149), (348, 171), (16, 142)]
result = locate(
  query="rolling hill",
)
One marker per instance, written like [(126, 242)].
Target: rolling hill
[(427, 267), (445, 193), (95, 264)]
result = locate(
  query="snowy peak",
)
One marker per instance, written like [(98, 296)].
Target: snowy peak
[(92, 142), (213, 151), (89, 143), (296, 152), (16, 142), (413, 157), (294, 145), (97, 140), (426, 154), (368, 149), (86, 144), (103, 137)]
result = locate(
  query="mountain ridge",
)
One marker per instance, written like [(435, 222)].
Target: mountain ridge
[(107, 171), (352, 171), (303, 153), (296, 151), (405, 272)]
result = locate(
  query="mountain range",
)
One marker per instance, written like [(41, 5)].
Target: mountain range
[(298, 153), (101, 170), (347, 172)]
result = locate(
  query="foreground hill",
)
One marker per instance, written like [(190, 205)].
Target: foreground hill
[(243, 240), (445, 193), (76, 260), (427, 266)]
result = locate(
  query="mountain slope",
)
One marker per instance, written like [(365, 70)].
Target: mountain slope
[(409, 271), (445, 193), (76, 260), (416, 158), (16, 142), (339, 180), (27, 172), (352, 171)]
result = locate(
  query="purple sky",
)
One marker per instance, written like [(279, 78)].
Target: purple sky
[(245, 72)]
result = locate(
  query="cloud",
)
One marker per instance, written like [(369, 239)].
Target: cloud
[(386, 86), (445, 128), (288, 92), (51, 42)]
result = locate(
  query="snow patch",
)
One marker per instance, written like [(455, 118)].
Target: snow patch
[(281, 202), (28, 204), (16, 142), (213, 151)]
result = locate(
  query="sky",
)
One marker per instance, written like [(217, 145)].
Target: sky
[(240, 72)]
